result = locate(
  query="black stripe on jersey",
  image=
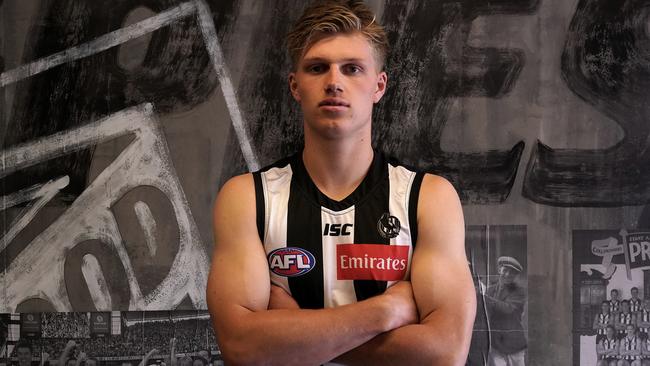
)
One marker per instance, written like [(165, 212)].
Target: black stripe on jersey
[(376, 173), (259, 205), (308, 289), (366, 215), (413, 207)]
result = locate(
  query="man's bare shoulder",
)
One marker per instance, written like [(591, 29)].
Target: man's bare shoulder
[(234, 208), (237, 185), (437, 187), (440, 214)]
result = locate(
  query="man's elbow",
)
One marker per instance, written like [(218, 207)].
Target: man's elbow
[(241, 353), (449, 348)]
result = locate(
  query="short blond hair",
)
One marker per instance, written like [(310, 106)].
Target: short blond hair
[(329, 17)]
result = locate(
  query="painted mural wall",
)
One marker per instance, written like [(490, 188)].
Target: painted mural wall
[(120, 120)]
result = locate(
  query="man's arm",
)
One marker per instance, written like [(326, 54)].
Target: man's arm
[(65, 354), (596, 325), (238, 298), (600, 350), (514, 303), (442, 287)]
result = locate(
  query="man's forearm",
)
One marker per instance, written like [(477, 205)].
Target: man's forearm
[(416, 344), (297, 336)]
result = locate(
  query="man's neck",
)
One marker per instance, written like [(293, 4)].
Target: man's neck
[(337, 167)]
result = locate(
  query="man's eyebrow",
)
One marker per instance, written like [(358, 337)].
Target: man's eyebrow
[(327, 60)]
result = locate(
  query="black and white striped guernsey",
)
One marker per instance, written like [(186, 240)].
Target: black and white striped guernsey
[(327, 253)]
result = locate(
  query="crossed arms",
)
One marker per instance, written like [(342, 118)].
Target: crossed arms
[(425, 321)]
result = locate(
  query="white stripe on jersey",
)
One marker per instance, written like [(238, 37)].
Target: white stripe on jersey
[(276, 183), (336, 293)]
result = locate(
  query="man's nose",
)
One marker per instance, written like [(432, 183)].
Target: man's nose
[(333, 81)]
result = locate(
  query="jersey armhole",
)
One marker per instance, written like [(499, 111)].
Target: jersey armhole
[(414, 196), (259, 205)]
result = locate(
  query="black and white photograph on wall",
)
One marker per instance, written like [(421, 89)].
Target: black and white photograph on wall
[(498, 260), (611, 297), (4, 336), (112, 338)]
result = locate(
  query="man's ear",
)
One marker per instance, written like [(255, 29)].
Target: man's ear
[(293, 86), (382, 79)]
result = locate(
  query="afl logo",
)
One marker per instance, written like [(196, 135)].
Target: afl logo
[(388, 226), (291, 261)]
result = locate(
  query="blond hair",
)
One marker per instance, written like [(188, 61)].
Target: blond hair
[(325, 18)]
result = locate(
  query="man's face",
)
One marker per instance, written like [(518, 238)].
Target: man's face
[(336, 82), (614, 295), (605, 308), (646, 304), (635, 293), (24, 356), (507, 275), (626, 307), (610, 332), (630, 331)]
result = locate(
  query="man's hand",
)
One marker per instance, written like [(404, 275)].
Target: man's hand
[(400, 296), (70, 345)]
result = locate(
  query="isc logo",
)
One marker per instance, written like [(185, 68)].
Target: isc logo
[(291, 261), (337, 229)]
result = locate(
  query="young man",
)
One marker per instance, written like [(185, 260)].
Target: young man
[(607, 348), (629, 349), (635, 301), (334, 228), (643, 318), (602, 321), (624, 318), (24, 354), (614, 302)]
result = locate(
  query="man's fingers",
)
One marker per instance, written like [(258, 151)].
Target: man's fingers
[(405, 309)]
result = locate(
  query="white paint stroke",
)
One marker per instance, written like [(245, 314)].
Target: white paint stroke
[(97, 285), (216, 56), (148, 224), (44, 193), (97, 45), (66, 142), (38, 270), (31, 193), (142, 28)]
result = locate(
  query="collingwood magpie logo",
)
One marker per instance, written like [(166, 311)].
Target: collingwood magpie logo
[(388, 226)]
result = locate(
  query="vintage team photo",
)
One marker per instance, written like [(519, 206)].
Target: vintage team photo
[(611, 297), (498, 260)]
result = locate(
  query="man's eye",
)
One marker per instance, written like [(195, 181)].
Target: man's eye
[(353, 69), (316, 69)]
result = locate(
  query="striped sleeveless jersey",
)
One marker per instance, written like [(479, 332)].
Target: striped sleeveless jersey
[(328, 253), (608, 345), (635, 305), (629, 344), (624, 318), (645, 317), (603, 319)]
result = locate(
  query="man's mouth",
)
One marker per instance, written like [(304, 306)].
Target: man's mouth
[(333, 102)]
